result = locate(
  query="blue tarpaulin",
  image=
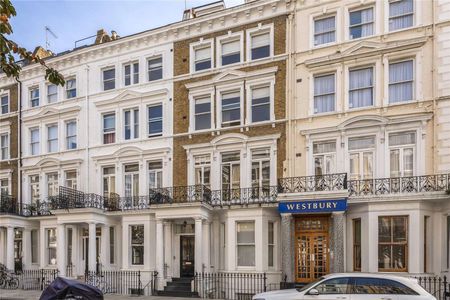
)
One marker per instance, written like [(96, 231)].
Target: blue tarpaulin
[(61, 288)]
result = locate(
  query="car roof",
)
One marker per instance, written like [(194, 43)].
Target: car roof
[(404, 278)]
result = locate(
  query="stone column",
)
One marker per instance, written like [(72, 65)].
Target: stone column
[(206, 245), (92, 247), (2, 246), (104, 247), (10, 248), (61, 252), (26, 246), (337, 243), (168, 248), (198, 245), (287, 247), (160, 252)]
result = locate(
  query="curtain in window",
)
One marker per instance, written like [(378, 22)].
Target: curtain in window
[(395, 163), (230, 47), (324, 31), (401, 76), (260, 40), (361, 88), (404, 138), (203, 53), (363, 18), (324, 90), (324, 147), (361, 143), (401, 14)]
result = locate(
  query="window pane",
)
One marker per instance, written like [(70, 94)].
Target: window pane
[(401, 14), (260, 104), (361, 23), (155, 69), (231, 52), (403, 138), (334, 286), (202, 113), (395, 163), (324, 147), (401, 76), (324, 31), (246, 255), (155, 120), (260, 45), (380, 286), (246, 233), (408, 162), (231, 113), (361, 88), (324, 93)]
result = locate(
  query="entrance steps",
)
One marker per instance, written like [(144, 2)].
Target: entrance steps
[(179, 287)]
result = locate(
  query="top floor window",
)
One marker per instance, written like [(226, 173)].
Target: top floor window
[(52, 93), (324, 30), (109, 128), (401, 81), (231, 52), (324, 93), (202, 59), (360, 92), (324, 154), (4, 103), (401, 14), (401, 151), (71, 88), (34, 97), (260, 45), (155, 68), (361, 23), (131, 73), (109, 79)]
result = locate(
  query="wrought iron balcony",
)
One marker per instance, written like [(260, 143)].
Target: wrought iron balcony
[(244, 196), (317, 183), (9, 205), (399, 185), (70, 198)]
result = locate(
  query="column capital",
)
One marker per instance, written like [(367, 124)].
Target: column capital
[(287, 216), (160, 221), (198, 219)]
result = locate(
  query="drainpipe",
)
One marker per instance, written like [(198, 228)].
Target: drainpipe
[(19, 138), (434, 87), (87, 130)]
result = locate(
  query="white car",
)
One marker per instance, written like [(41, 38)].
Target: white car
[(354, 286)]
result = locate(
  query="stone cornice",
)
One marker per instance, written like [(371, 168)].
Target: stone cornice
[(51, 112), (131, 95)]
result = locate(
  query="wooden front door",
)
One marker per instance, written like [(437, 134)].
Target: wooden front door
[(187, 254), (311, 247)]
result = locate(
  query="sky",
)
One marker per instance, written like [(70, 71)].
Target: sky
[(72, 20)]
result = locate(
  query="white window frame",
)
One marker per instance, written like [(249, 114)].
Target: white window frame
[(200, 45), (361, 152), (71, 180), (258, 83), (114, 79), (55, 94), (245, 244), (139, 245), (194, 96), (202, 167), (109, 132), (324, 154), (8, 104), (148, 120), (110, 178), (148, 69), (132, 73), (5, 147), (71, 136), (132, 124), (69, 90), (261, 29), (131, 174), (374, 21), (414, 80), (48, 126), (38, 142), (415, 147), (47, 176), (30, 91), (374, 85), (5, 187), (159, 173), (228, 38), (228, 89), (37, 184), (321, 16), (388, 17), (336, 92)]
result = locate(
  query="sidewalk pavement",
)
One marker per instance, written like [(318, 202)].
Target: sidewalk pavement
[(34, 295)]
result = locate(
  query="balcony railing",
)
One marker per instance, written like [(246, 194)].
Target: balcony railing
[(10, 205), (399, 185), (318, 183), (244, 196)]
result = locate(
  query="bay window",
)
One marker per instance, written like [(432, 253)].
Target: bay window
[(71, 135), (155, 120), (203, 113), (137, 244), (202, 170), (4, 146), (231, 52), (260, 45), (245, 241), (324, 93), (4, 104), (393, 244), (34, 188), (361, 152), (155, 174), (324, 155), (52, 93), (109, 181), (34, 141), (361, 82), (71, 88), (324, 30), (260, 104), (131, 180), (401, 14), (401, 81), (202, 59), (52, 184), (231, 109), (109, 128), (52, 138), (401, 149), (361, 23), (131, 73), (131, 124), (51, 246), (155, 68), (109, 79)]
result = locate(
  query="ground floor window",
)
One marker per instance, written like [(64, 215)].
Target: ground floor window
[(357, 244), (392, 243), (112, 254), (271, 244), (137, 244), (51, 246), (34, 246), (245, 244)]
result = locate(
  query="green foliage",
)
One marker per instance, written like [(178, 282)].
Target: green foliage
[(8, 48)]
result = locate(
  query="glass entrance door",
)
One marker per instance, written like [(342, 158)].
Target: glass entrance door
[(187, 254), (311, 248)]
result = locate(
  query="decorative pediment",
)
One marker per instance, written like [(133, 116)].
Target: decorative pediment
[(364, 46), (363, 121), (230, 138), (129, 95), (51, 112), (54, 162), (229, 75), (128, 151)]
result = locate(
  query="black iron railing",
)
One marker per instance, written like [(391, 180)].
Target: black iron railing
[(398, 185), (229, 285), (70, 198), (116, 281), (437, 286), (37, 279), (244, 196), (302, 184), (9, 205)]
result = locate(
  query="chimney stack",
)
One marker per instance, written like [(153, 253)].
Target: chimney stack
[(102, 37), (41, 53)]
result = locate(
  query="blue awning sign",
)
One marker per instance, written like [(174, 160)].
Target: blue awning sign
[(313, 206)]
